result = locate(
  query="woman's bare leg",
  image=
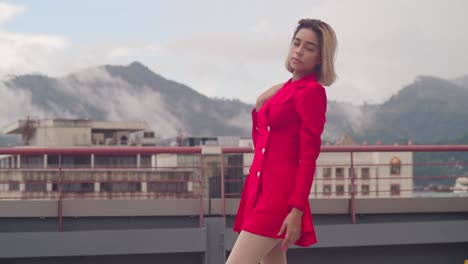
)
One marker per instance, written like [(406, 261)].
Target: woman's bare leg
[(275, 256), (251, 248)]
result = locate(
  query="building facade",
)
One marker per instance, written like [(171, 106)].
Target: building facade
[(372, 174)]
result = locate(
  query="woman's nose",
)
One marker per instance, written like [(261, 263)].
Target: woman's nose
[(299, 51)]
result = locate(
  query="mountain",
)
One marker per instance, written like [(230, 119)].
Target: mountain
[(462, 81), (133, 92), (426, 111), (429, 110), (456, 165)]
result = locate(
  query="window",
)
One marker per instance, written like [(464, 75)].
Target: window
[(339, 173), (35, 186), (69, 161), (121, 186), (145, 161), (365, 173), (340, 190), (32, 161), (365, 189), (327, 172), (395, 166), (168, 187), (395, 189), (13, 185), (115, 161), (75, 187), (327, 189)]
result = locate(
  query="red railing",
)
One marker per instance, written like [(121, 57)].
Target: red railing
[(60, 194), (61, 181), (352, 150)]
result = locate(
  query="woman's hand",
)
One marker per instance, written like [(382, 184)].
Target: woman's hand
[(266, 95), (292, 224)]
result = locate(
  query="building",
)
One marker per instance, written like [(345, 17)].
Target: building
[(80, 132), (376, 174), (144, 176), (105, 176)]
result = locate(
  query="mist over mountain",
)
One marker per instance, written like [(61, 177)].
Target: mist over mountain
[(130, 92)]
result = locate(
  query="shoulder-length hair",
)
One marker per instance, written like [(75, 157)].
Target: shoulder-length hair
[(325, 70)]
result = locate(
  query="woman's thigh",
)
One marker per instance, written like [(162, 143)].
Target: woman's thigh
[(275, 256), (251, 248)]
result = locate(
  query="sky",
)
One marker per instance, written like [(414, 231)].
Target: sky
[(236, 49)]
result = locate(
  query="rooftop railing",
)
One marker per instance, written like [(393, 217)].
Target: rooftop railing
[(53, 176)]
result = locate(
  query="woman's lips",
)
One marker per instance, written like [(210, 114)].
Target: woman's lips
[(296, 61)]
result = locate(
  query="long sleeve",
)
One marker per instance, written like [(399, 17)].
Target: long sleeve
[(254, 126), (311, 107)]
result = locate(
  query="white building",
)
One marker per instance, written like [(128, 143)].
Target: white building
[(376, 174)]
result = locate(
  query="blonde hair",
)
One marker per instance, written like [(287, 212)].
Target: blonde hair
[(325, 70)]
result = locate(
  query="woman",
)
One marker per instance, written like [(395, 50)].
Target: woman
[(288, 121)]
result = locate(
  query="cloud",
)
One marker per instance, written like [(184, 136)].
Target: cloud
[(133, 51), (23, 53), (384, 45), (8, 11), (120, 101), (16, 104)]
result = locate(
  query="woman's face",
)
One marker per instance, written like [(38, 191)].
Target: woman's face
[(304, 53)]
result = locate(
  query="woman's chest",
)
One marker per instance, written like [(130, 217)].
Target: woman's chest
[(281, 109)]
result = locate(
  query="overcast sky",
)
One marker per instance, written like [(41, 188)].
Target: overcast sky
[(236, 48)]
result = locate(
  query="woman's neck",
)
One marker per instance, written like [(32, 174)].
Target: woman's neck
[(298, 75)]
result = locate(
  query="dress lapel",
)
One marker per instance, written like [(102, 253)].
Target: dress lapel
[(287, 91)]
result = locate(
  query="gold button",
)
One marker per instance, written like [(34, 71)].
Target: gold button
[(258, 174), (268, 128), (263, 150)]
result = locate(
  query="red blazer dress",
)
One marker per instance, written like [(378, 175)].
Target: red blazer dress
[(286, 133)]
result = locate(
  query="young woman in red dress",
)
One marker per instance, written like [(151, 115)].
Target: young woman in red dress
[(288, 121)]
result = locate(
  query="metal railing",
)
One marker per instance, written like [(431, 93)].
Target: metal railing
[(351, 165), (60, 185), (56, 181)]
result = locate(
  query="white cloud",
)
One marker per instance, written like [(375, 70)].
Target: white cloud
[(8, 11), (133, 51), (383, 46), (16, 104), (24, 53), (120, 101)]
